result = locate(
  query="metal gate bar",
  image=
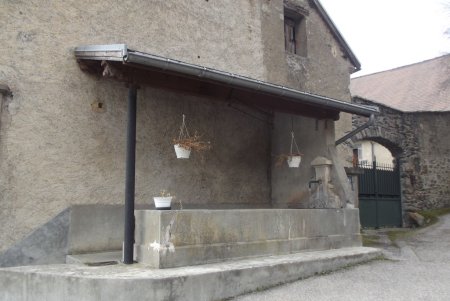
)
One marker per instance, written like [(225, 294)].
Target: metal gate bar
[(379, 196)]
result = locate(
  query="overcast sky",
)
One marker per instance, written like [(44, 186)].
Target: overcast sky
[(385, 34)]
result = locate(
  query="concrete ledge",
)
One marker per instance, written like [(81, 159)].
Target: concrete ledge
[(46, 245), (95, 228), (207, 236), (204, 282), (102, 258), (203, 254), (76, 230)]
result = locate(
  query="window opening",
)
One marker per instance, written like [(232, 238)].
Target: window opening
[(295, 34), (289, 35)]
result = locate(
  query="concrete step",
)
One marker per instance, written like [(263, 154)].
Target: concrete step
[(204, 282), (95, 259)]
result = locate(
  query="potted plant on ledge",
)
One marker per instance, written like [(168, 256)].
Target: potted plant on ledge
[(164, 201)]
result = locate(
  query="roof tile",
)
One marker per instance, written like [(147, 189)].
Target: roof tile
[(420, 87)]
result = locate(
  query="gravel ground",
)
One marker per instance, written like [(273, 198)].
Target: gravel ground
[(419, 270)]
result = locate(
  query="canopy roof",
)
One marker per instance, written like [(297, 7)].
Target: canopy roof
[(124, 64)]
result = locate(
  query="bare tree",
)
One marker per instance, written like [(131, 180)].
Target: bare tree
[(446, 4)]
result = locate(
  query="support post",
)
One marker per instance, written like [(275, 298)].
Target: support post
[(376, 188), (128, 243)]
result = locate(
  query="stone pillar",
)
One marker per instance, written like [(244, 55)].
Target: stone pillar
[(353, 173), (322, 190)]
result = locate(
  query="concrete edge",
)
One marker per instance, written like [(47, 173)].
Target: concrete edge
[(47, 244), (206, 282), (93, 259), (189, 255)]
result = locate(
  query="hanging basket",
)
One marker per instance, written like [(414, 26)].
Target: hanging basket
[(182, 152), (294, 161), (185, 143), (162, 202)]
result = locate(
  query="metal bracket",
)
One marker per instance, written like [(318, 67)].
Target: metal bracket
[(357, 130)]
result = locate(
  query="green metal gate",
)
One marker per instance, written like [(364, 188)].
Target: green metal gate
[(379, 196)]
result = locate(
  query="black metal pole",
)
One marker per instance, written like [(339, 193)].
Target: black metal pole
[(398, 189), (128, 241), (375, 185)]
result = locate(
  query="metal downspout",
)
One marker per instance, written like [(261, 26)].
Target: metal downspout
[(128, 240), (357, 130)]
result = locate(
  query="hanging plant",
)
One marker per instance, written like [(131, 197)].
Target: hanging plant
[(185, 143), (294, 157)]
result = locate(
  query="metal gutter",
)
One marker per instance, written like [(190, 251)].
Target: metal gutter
[(111, 52), (120, 52)]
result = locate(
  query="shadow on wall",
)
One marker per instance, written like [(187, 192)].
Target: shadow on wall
[(76, 230)]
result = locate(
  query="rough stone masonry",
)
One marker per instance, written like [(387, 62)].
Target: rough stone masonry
[(419, 141)]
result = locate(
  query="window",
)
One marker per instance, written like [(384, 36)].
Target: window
[(295, 32), (358, 156), (360, 151), (289, 35)]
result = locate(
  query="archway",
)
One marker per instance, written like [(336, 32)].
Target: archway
[(379, 185)]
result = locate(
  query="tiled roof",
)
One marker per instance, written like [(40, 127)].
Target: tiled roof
[(420, 87)]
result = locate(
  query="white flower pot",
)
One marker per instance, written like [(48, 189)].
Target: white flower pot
[(294, 161), (163, 202), (182, 153)]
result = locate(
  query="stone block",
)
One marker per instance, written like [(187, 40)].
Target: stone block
[(416, 218), (207, 236), (95, 228)]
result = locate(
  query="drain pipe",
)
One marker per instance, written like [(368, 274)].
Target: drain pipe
[(357, 130), (129, 222)]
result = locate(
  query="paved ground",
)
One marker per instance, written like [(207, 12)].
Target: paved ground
[(418, 270)]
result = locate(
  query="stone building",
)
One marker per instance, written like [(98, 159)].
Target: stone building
[(64, 121), (369, 151), (414, 124)]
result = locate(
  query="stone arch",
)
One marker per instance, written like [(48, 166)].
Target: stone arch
[(395, 149), (397, 131), (387, 136), (387, 129)]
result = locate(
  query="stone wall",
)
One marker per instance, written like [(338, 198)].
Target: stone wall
[(56, 150), (324, 71), (312, 73), (434, 165), (418, 141)]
